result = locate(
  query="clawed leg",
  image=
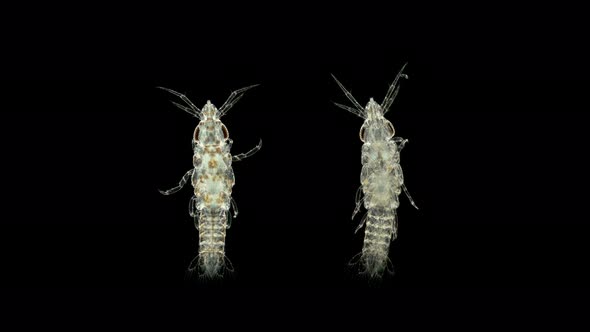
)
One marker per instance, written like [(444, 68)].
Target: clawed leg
[(400, 143), (409, 197), (181, 184), (241, 156), (358, 201)]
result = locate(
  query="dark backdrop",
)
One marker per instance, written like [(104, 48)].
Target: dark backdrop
[(494, 115)]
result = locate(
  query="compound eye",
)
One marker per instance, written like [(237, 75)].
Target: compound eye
[(225, 132), (362, 134), (196, 134), (390, 129)]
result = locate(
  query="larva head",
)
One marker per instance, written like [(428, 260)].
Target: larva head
[(376, 127), (209, 111), (373, 110), (210, 132)]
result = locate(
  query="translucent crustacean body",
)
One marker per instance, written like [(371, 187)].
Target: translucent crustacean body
[(212, 178), (381, 179)]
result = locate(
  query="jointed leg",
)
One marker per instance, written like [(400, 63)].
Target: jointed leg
[(358, 201), (192, 209), (181, 184), (241, 156), (400, 143), (409, 197)]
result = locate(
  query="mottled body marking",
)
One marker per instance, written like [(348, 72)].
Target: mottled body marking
[(212, 178)]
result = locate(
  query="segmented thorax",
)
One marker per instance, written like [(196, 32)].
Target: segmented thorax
[(213, 178), (381, 173)]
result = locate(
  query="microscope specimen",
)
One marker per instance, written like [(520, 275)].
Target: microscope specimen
[(381, 179), (212, 178)]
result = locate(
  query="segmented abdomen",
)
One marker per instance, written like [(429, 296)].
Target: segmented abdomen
[(381, 227), (381, 179), (212, 180), (212, 225)]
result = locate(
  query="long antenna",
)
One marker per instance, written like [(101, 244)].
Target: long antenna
[(193, 110), (393, 90)]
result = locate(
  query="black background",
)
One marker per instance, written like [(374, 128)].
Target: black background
[(493, 110)]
